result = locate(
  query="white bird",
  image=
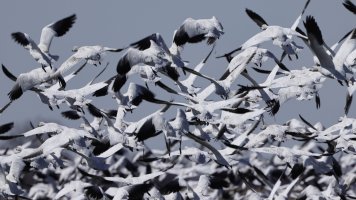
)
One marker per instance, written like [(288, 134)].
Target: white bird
[(172, 56), (196, 30), (280, 36), (153, 56), (134, 95), (91, 54), (334, 65), (255, 54), (75, 98), (29, 80), (40, 52)]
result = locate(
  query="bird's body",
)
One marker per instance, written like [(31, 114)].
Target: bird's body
[(196, 30), (91, 54), (40, 52), (26, 81), (153, 56)]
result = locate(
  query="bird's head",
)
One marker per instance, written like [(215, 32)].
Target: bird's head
[(75, 48), (218, 25), (264, 26)]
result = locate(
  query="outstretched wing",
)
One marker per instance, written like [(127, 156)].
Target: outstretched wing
[(24, 40), (256, 18), (56, 29)]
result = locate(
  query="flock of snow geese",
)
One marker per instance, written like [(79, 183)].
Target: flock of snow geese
[(229, 157)]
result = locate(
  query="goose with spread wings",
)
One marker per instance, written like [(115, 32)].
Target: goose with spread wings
[(29, 80), (334, 65), (197, 30), (152, 54), (89, 54), (280, 36), (40, 52)]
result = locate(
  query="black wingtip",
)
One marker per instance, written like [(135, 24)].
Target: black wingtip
[(180, 37), (94, 110), (8, 73), (20, 38), (112, 113), (123, 66), (348, 103), (70, 114), (317, 101), (62, 26), (116, 50), (297, 170), (101, 92), (144, 43), (350, 6), (6, 127), (228, 55), (165, 87), (273, 106), (306, 122), (172, 73), (237, 110), (256, 18), (282, 66), (300, 31), (263, 71), (313, 29), (15, 93), (119, 81)]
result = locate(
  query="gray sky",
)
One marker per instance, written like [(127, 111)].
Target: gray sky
[(116, 24)]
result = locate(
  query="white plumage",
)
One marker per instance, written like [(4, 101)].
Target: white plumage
[(40, 52)]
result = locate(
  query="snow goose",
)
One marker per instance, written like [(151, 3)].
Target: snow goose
[(91, 54), (144, 43), (40, 52), (154, 56), (259, 55), (29, 80), (197, 30), (280, 36), (334, 65)]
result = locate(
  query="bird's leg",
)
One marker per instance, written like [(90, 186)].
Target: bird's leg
[(146, 85), (296, 56), (99, 62), (290, 58), (340, 82), (256, 64), (43, 67), (57, 106), (50, 107), (180, 146)]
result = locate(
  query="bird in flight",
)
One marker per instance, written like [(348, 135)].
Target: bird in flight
[(40, 52)]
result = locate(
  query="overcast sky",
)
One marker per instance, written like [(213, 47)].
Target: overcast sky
[(118, 23)]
